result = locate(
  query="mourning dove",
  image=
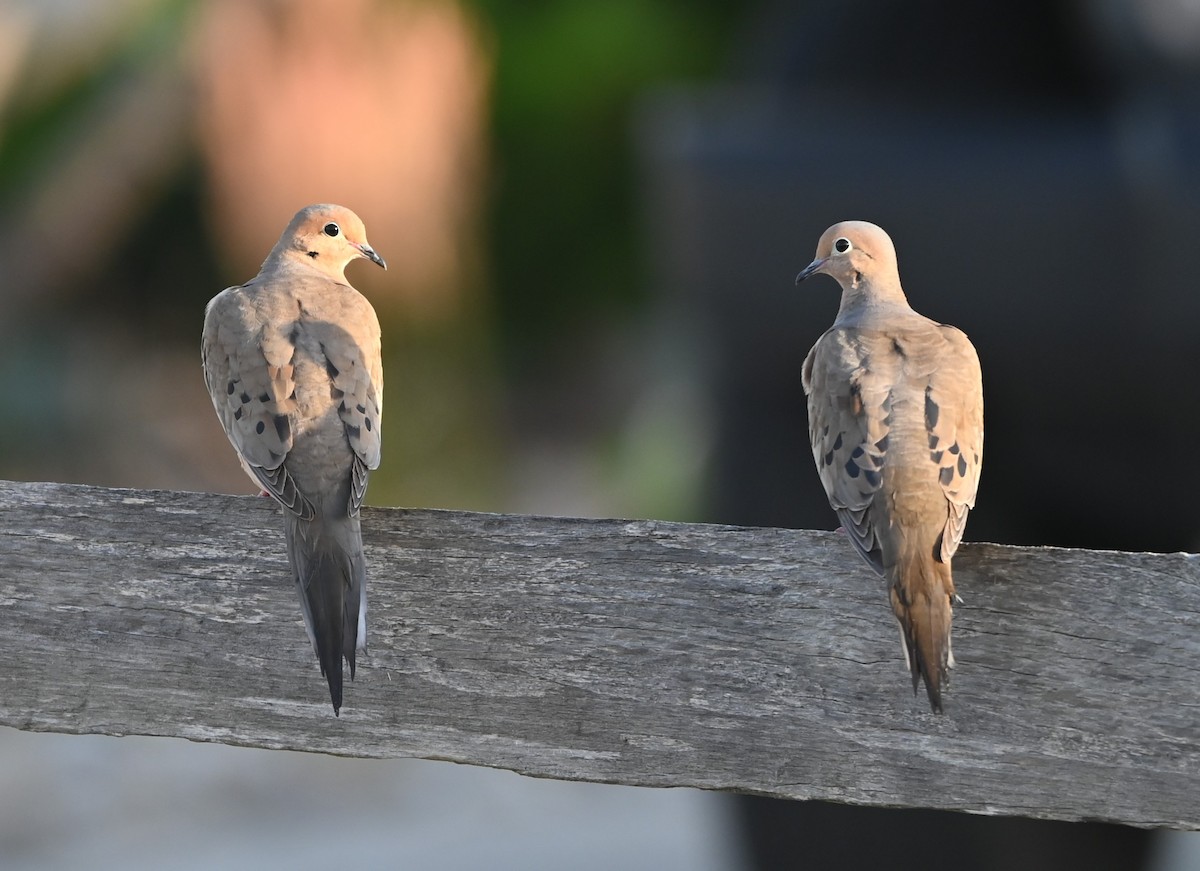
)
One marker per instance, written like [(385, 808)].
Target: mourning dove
[(292, 362), (895, 414)]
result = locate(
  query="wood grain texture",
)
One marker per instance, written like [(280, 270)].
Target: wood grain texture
[(636, 652)]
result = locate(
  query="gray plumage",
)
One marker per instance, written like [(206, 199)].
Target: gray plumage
[(293, 365)]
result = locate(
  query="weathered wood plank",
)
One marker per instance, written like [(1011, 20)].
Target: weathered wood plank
[(637, 652)]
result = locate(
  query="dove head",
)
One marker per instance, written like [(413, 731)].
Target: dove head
[(326, 237), (860, 256)]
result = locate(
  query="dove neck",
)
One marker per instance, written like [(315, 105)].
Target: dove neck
[(290, 258), (865, 300)]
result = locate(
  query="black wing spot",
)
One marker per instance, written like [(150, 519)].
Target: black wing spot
[(837, 443), (230, 388), (260, 427), (334, 393), (931, 410), (871, 478), (353, 431), (852, 468), (237, 414), (283, 427), (882, 445), (953, 449), (962, 466), (936, 456), (264, 397), (898, 348), (330, 369), (245, 398), (366, 422), (946, 475), (857, 452), (828, 458), (362, 409)]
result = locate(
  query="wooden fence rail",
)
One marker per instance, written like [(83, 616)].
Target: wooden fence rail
[(636, 652)]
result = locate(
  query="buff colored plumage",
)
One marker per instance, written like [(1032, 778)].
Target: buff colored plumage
[(895, 407)]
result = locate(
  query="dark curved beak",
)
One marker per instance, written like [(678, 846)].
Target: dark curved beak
[(811, 269), (369, 253)]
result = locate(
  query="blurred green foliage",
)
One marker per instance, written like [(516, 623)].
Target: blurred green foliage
[(44, 114), (562, 217)]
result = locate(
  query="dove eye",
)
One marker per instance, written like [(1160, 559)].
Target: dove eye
[(841, 246), (331, 229)]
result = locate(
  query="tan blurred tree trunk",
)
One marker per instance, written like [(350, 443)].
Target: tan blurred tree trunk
[(377, 105)]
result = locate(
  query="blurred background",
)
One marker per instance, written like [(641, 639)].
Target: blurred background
[(592, 214)]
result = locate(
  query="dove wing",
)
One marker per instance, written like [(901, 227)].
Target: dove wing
[(954, 422), (249, 373), (849, 421), (354, 363)]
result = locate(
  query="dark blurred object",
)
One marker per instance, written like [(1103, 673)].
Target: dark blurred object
[(1143, 42), (932, 51), (820, 835), (1037, 166)]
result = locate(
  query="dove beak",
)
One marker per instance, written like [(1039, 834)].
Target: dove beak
[(369, 252), (811, 269)]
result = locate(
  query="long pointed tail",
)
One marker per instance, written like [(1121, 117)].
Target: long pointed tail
[(330, 573), (921, 592)]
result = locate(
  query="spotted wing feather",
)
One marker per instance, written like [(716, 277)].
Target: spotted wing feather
[(849, 418), (355, 369), (249, 374), (954, 423)]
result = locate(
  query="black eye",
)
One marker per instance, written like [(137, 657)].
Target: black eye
[(841, 246), (331, 229)]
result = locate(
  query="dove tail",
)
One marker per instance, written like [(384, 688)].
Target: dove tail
[(921, 592), (330, 573)]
